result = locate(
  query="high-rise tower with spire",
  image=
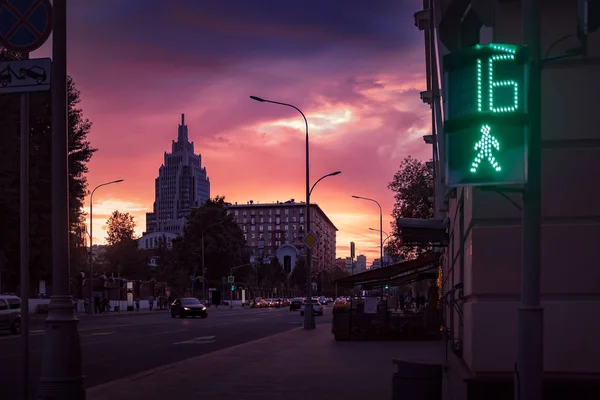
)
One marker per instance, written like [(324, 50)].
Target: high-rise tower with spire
[(182, 184)]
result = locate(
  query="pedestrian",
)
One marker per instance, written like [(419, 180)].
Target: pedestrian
[(86, 305), (97, 304), (150, 302), (137, 304)]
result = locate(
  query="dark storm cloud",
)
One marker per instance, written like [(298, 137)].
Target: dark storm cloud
[(218, 33)]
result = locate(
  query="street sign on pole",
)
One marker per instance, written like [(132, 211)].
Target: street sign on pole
[(348, 260), (25, 25), (311, 239), (25, 75), (486, 116), (230, 279), (352, 249)]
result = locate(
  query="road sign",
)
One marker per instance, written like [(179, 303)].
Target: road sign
[(25, 25), (230, 279), (25, 75), (311, 239), (348, 260), (486, 119), (352, 249)]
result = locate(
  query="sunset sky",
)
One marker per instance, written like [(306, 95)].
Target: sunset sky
[(354, 67)]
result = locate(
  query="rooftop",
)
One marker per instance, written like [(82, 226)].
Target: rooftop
[(289, 203)]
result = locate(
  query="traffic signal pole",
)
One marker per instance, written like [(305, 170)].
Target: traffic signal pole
[(530, 363)]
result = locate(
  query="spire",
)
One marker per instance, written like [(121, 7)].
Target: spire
[(182, 132)]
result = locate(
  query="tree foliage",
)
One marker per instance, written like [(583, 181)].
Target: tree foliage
[(272, 275), (298, 276), (121, 228), (224, 243), (80, 153), (413, 192)]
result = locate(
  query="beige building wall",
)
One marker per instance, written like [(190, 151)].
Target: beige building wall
[(489, 264)]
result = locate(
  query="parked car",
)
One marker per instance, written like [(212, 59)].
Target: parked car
[(188, 307), (317, 307), (295, 304), (10, 313)]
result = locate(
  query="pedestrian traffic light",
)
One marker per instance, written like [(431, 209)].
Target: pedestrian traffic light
[(232, 288), (485, 120), (387, 287)]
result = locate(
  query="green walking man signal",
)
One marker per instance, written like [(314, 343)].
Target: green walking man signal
[(485, 146), (232, 288)]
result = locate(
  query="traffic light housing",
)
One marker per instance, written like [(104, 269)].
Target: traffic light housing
[(232, 288), (485, 120)]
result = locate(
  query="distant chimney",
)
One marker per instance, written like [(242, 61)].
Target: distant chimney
[(182, 119)]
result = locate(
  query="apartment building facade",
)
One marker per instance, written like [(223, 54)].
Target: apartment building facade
[(277, 229), (483, 247)]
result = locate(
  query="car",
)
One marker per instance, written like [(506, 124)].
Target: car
[(188, 307), (10, 313), (317, 307), (295, 304)]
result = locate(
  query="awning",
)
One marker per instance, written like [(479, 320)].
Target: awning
[(423, 232), (395, 274)]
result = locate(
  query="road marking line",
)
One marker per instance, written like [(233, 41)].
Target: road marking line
[(199, 340), (98, 334)]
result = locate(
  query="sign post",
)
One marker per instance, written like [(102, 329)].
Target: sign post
[(25, 26), (493, 138)]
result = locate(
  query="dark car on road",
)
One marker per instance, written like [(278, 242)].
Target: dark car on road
[(295, 304), (188, 307)]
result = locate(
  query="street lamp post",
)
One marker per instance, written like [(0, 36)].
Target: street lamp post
[(387, 236), (203, 264), (380, 226), (91, 279), (309, 317), (61, 376)]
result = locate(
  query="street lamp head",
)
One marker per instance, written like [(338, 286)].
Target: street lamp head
[(119, 180), (373, 229), (335, 173), (356, 197), (257, 99)]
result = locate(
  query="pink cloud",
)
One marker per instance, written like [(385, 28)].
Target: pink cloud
[(363, 109)]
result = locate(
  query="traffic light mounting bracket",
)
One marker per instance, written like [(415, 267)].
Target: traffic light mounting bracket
[(588, 20), (502, 191)]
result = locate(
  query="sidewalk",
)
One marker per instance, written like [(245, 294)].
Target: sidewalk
[(293, 365)]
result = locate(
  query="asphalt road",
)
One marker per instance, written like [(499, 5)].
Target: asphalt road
[(117, 346)]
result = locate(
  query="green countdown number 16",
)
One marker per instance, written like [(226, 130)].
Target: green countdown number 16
[(488, 143)]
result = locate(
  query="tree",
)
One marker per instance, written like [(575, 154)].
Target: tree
[(224, 243), (165, 261), (272, 275), (298, 276), (80, 152), (123, 255), (413, 190), (121, 228)]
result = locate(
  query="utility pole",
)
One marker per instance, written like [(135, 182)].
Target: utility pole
[(24, 219), (530, 362), (61, 376)]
